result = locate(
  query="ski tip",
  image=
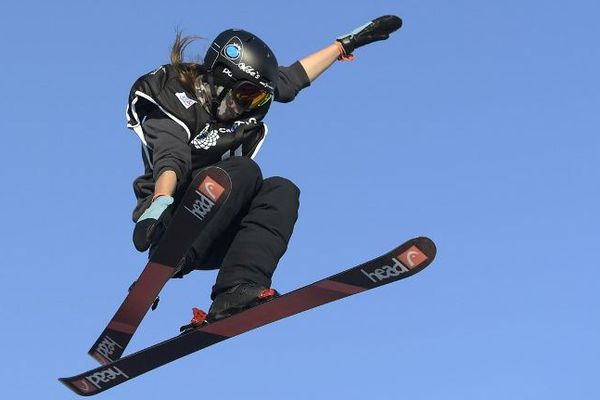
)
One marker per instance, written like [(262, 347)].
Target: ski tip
[(81, 387), (416, 253), (426, 245)]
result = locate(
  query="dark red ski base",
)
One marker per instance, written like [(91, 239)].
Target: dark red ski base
[(207, 193), (402, 262)]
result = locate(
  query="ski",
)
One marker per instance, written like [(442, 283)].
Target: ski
[(402, 262), (209, 189)]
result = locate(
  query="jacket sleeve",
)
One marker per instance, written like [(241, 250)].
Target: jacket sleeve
[(292, 80), (168, 146)]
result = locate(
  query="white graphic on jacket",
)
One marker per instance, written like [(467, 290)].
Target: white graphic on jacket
[(206, 141), (208, 137)]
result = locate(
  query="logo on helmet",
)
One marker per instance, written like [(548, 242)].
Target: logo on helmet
[(232, 51)]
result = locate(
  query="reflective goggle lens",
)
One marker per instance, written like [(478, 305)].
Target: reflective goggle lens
[(250, 96)]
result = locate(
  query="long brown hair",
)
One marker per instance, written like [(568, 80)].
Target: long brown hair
[(188, 71)]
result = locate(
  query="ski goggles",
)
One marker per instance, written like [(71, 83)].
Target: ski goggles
[(250, 96)]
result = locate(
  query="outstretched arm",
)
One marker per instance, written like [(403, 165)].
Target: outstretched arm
[(342, 49), (316, 63)]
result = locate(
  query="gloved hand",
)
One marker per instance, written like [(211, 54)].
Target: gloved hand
[(373, 31), (152, 223)]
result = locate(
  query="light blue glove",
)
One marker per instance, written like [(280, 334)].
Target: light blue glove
[(158, 206), (150, 226)]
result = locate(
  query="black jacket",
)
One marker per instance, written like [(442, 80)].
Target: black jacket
[(177, 133)]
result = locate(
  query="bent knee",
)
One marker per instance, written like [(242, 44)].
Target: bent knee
[(243, 165), (283, 187)]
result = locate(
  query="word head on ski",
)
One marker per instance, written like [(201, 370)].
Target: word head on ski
[(402, 262), (209, 189)]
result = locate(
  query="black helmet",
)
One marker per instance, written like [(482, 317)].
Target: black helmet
[(239, 56)]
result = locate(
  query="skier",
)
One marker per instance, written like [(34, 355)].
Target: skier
[(191, 115)]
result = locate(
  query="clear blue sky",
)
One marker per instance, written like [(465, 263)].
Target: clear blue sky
[(476, 124)]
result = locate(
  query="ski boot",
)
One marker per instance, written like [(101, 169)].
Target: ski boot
[(239, 298), (232, 301)]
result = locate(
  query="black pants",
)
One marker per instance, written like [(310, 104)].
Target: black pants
[(251, 231)]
